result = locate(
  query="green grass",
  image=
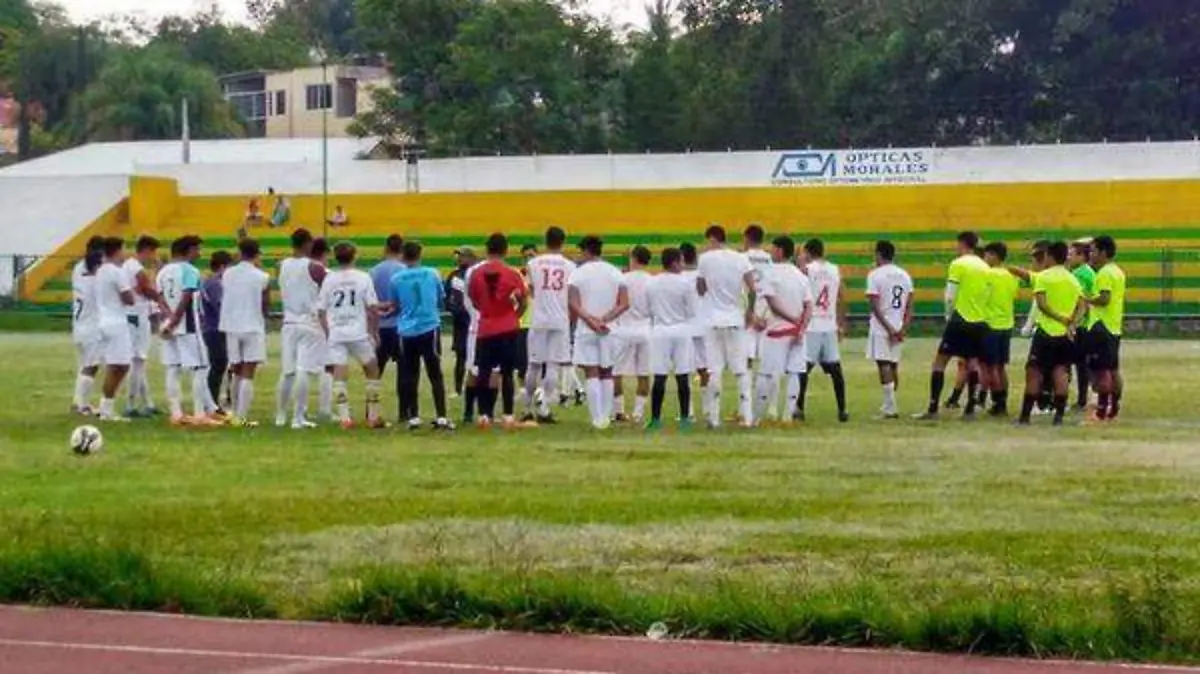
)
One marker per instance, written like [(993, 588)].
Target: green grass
[(1081, 542)]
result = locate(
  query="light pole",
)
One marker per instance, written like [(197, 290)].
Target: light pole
[(325, 144)]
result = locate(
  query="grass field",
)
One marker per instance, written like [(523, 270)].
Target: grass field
[(1078, 542)]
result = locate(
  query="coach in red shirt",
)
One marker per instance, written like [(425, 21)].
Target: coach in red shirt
[(498, 292)]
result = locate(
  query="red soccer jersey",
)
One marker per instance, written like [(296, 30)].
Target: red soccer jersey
[(493, 288)]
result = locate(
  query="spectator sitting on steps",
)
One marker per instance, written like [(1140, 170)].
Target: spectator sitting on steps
[(282, 213), (339, 218)]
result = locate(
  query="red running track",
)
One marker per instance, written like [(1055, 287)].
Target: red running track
[(36, 641)]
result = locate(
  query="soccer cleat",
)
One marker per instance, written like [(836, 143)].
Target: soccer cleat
[(484, 423), (204, 421), (179, 420), (528, 418), (546, 420), (798, 417), (281, 421), (443, 426), (580, 398), (888, 416), (302, 425), (654, 425), (114, 419), (414, 424), (686, 425), (620, 418), (238, 422), (564, 400), (132, 413), (844, 417), (378, 425), (925, 416), (347, 424)]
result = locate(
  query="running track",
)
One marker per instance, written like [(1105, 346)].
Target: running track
[(34, 641)]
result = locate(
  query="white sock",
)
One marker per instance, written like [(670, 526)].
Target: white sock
[(144, 386), (283, 395), (174, 391), (793, 394), (762, 398), (531, 384), (374, 386), (550, 389), (889, 398), (107, 408), (595, 401), (134, 385), (713, 393), (200, 393), (572, 385), (639, 407), (245, 397), (606, 393), (342, 398), (745, 399), (772, 410), (618, 404), (235, 387), (325, 395), (300, 412), (83, 389)]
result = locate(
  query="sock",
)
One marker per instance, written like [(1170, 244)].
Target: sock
[(889, 398), (200, 392), (937, 382), (619, 404), (955, 396), (283, 395), (245, 397), (235, 385), (549, 389), (658, 394), (107, 408), (470, 394), (1000, 399), (1102, 405), (714, 400), (981, 400), (133, 387), (1114, 407), (83, 389), (684, 382), (772, 410), (531, 385), (341, 397), (972, 391), (639, 407), (1060, 408), (803, 395), (746, 399), (793, 392), (606, 390), (374, 387), (325, 395), (1027, 407), (144, 387), (300, 411), (595, 405), (174, 391), (839, 387), (762, 397), (1081, 384), (705, 400), (573, 385)]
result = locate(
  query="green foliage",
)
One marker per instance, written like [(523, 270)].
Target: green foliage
[(225, 48)]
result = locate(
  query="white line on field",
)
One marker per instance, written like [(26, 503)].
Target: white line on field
[(402, 648), (289, 657)]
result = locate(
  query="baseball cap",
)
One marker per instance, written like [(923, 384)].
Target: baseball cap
[(465, 251)]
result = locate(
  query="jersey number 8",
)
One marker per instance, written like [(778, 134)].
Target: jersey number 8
[(897, 297)]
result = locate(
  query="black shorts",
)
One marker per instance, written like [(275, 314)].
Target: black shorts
[(962, 339), (1048, 353), (497, 353), (997, 347), (1103, 349)]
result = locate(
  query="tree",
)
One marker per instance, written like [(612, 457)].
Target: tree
[(652, 87), (228, 48)]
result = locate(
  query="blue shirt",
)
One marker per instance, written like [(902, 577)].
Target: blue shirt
[(381, 277), (420, 294), (211, 294)]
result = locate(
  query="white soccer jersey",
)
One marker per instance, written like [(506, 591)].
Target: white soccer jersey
[(346, 297), (674, 302), (173, 281), (298, 291), (241, 306), (826, 281), (893, 286), (85, 318), (700, 321), (141, 305), (760, 260), (472, 310), (637, 319), (724, 273), (598, 284), (549, 275), (791, 290), (111, 281)]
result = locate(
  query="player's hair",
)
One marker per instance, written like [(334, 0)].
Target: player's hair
[(95, 244), (301, 238), (885, 250), (815, 248), (220, 260), (1106, 245), (344, 252), (113, 245), (320, 247), (786, 245), (497, 244), (715, 233), (177, 246), (394, 244), (969, 239), (412, 251), (592, 245), (529, 247), (249, 249), (998, 249), (1058, 252), (754, 235), (93, 260), (688, 252), (670, 256), (641, 254), (145, 243), (1082, 248), (555, 238)]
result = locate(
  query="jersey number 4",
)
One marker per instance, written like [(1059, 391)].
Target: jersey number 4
[(340, 297), (823, 299), (553, 279)]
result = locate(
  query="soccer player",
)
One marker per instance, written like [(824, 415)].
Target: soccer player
[(1040, 257), (828, 325), (690, 258), (1061, 305), (966, 314), (497, 292), (182, 348), (1001, 319), (598, 295), (890, 293), (632, 333), (1078, 262), (789, 299), (320, 256), (85, 330), (1107, 318), (723, 278), (146, 252), (303, 341), (460, 315), (245, 303), (550, 329), (528, 252), (754, 238), (389, 336), (347, 308), (214, 340), (673, 308), (114, 297), (420, 296)]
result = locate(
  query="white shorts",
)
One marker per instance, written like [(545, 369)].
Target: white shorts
[(472, 351), (632, 356), (186, 351), (726, 348), (881, 349), (823, 348), (139, 338), (699, 353), (592, 350), (116, 344), (303, 348), (246, 347), (549, 346), (672, 354), (754, 342), (90, 353), (361, 350), (784, 355)]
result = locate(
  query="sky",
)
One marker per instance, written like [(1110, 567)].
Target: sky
[(621, 11)]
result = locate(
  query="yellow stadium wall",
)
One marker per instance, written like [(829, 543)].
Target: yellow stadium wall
[(108, 224), (153, 202)]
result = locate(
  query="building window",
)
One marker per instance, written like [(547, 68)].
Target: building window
[(280, 103), (319, 96)]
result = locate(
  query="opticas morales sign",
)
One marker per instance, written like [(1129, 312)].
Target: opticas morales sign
[(853, 167)]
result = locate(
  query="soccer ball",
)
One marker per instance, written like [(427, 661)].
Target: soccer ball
[(86, 440)]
